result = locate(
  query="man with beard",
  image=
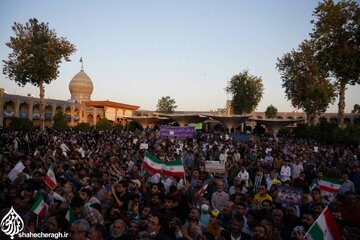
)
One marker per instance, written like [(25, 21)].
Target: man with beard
[(156, 222), (117, 229), (56, 224), (308, 219), (260, 232), (132, 231), (226, 215)]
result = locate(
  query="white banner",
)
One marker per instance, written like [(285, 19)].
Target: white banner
[(214, 167), (19, 167)]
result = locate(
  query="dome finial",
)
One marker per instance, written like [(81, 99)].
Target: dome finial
[(82, 64)]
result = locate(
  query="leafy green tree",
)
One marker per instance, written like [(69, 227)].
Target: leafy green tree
[(22, 124), (60, 123), (259, 129), (82, 127), (166, 105), (337, 39), (119, 126), (36, 55), (271, 111), (305, 82), (246, 90), (356, 108), (104, 124)]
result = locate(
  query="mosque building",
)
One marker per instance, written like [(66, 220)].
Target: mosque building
[(79, 109)]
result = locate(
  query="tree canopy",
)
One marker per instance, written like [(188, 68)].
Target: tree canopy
[(336, 34), (246, 90), (305, 82), (356, 108), (60, 123), (104, 124), (166, 105), (36, 55), (271, 111)]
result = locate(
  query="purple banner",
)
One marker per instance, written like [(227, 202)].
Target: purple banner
[(289, 195), (177, 132)]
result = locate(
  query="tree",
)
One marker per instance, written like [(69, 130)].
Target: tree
[(60, 123), (246, 90), (36, 55), (305, 82), (356, 108), (104, 124), (22, 124), (336, 34), (82, 127), (166, 105), (271, 111)]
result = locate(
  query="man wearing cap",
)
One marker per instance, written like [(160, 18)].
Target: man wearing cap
[(134, 186), (214, 228)]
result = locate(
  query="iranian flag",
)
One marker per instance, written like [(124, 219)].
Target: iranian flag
[(36, 153), (50, 179), (174, 168), (70, 216), (329, 187), (325, 228), (53, 153), (152, 163), (203, 190), (39, 207)]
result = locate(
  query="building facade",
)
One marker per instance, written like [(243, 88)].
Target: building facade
[(79, 109)]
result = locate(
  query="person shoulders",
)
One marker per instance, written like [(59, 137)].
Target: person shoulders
[(245, 236), (161, 236)]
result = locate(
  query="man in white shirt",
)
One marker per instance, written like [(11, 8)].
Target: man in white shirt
[(285, 172), (64, 148), (296, 168), (223, 156), (244, 175), (268, 160)]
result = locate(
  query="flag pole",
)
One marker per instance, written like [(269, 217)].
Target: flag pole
[(37, 220), (182, 162), (326, 207)]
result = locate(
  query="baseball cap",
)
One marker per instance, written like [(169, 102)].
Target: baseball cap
[(137, 181), (215, 212)]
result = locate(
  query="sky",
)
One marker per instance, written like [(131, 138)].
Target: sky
[(137, 51)]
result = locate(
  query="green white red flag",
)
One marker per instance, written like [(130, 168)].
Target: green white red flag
[(50, 179), (53, 153), (152, 163), (70, 216), (325, 228), (155, 165), (329, 187), (39, 207), (203, 190), (174, 168), (36, 153)]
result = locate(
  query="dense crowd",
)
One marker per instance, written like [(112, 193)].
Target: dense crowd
[(101, 179)]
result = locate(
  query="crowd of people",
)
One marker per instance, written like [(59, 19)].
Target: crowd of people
[(100, 178)]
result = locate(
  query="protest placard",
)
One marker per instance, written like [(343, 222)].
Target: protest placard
[(214, 167), (289, 195)]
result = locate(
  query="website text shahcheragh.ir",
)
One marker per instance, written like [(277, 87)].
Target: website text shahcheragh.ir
[(43, 235)]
